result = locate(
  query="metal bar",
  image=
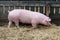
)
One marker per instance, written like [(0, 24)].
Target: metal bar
[(29, 7), (3, 8), (44, 9), (24, 7), (35, 8), (38, 8), (54, 10), (47, 9), (14, 7), (59, 10), (9, 7)]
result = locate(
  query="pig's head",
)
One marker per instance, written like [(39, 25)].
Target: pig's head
[(48, 21)]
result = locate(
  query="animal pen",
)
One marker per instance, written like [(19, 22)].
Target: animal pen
[(51, 9)]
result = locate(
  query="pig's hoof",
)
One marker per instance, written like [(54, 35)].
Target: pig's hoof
[(29, 29), (8, 27), (17, 27)]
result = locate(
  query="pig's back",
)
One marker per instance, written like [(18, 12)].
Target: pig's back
[(27, 16)]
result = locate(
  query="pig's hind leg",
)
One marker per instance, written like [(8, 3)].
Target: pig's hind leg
[(17, 23), (9, 24)]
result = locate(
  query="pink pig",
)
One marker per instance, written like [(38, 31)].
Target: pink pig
[(26, 16)]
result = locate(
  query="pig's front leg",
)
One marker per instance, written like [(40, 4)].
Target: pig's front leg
[(34, 24), (33, 27)]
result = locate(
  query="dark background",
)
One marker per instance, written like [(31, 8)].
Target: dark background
[(29, 0)]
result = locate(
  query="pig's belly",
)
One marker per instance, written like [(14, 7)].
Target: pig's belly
[(25, 20)]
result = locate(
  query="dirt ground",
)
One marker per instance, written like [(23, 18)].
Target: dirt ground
[(41, 33)]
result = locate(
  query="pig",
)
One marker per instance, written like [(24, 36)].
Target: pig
[(27, 16)]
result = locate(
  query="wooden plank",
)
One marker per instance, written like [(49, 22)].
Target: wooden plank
[(3, 19), (55, 5)]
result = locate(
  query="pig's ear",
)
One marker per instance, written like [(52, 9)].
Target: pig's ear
[(50, 19)]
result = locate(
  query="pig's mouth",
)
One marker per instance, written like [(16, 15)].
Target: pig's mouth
[(49, 23)]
